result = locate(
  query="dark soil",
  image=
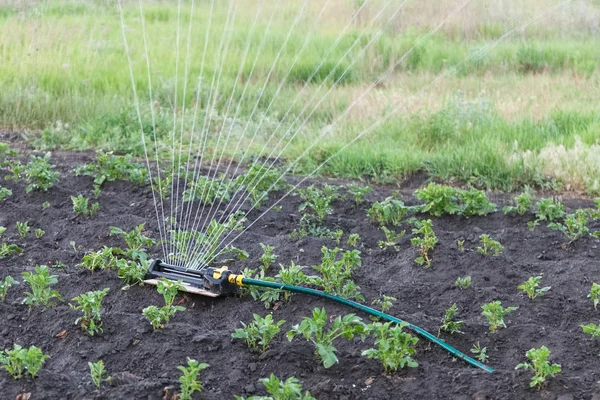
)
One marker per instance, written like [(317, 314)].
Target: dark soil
[(146, 361)]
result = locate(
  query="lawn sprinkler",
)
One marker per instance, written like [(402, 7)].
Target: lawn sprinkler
[(215, 282)]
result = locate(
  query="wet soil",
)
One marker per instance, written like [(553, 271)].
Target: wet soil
[(145, 361)]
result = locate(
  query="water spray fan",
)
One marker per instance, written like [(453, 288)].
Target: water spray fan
[(215, 282)]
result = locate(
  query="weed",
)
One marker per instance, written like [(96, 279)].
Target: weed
[(353, 239), (90, 304), (490, 246), (290, 389), (574, 227), (159, 317), (108, 168), (480, 352), (389, 211), (439, 199), (81, 206), (594, 294), (39, 233), (189, 378), (135, 241), (591, 329), (314, 329), (425, 243), (267, 258), (45, 205), (259, 332), (463, 283), (19, 360), (23, 228), (460, 245), (495, 313), (5, 193), (391, 238), (358, 192), (40, 174), (395, 348), (260, 181), (317, 201), (96, 372), (337, 275), (475, 202), (6, 284), (40, 283), (530, 287), (542, 369), (522, 202), (99, 260), (449, 325), (549, 210), (7, 250)]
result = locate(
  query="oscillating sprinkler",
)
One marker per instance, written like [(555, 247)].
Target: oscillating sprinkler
[(215, 282)]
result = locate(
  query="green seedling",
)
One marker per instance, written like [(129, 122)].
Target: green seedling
[(40, 283), (291, 275), (530, 287), (549, 210), (353, 239), (531, 225), (336, 276), (316, 202), (267, 258), (260, 181), (594, 294), (39, 233), (463, 283), (90, 304), (259, 332), (7, 250), (439, 199), (207, 190), (591, 329), (40, 174), (290, 389), (97, 372), (99, 260), (23, 228), (495, 313), (449, 325), (81, 206), (2, 230), (131, 272), (480, 352), (475, 202), (337, 236), (460, 245), (189, 378), (159, 317), (19, 360), (161, 186), (522, 203), (385, 302), (45, 205), (391, 238), (16, 170), (6, 284), (97, 191), (315, 330), (574, 226), (425, 242), (5, 193), (395, 348), (136, 241), (389, 211), (358, 192), (541, 367), (108, 168), (489, 246)]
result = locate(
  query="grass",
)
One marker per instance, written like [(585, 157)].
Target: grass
[(497, 122)]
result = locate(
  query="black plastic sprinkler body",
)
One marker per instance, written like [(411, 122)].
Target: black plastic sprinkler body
[(214, 282)]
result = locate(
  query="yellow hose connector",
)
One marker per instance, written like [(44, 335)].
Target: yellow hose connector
[(232, 278)]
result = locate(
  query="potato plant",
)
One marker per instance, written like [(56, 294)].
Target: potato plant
[(207, 190), (574, 226), (531, 287), (268, 257), (2, 230), (395, 348), (463, 283), (425, 241), (136, 242), (541, 367), (90, 304), (449, 325), (353, 239), (489, 246), (131, 272), (594, 294), (159, 317), (388, 212), (391, 238), (384, 302), (99, 260), (5, 193), (188, 380), (6, 284), (96, 372), (39, 233), (19, 360), (7, 250), (259, 332), (108, 168), (290, 389), (23, 228), (336, 275), (81, 206), (522, 203), (480, 352), (40, 174), (591, 329), (260, 181), (322, 334), (40, 282), (549, 210), (317, 203), (358, 192), (439, 199), (495, 313), (475, 202)]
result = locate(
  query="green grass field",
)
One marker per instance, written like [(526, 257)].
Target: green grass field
[(521, 112)]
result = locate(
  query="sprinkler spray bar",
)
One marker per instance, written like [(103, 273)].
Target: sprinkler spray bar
[(214, 282)]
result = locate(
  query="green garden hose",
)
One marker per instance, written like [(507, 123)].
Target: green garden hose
[(368, 310)]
